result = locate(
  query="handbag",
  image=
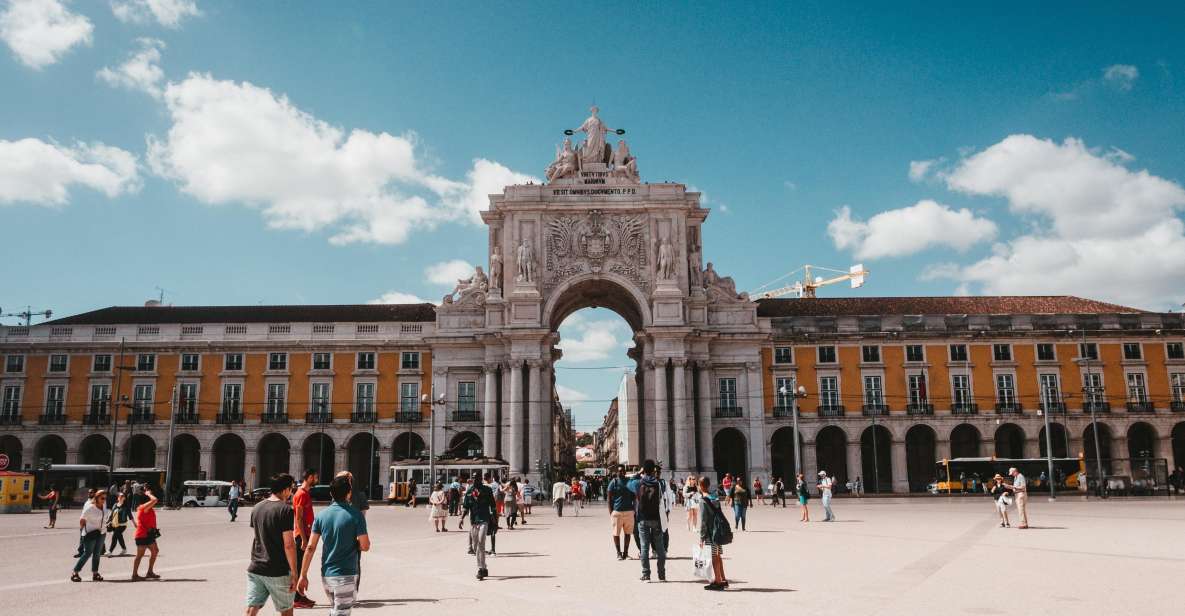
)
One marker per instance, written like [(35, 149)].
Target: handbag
[(701, 561)]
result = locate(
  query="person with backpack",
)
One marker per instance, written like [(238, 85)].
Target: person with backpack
[(621, 512), (714, 532), (648, 511), (479, 505), (804, 495)]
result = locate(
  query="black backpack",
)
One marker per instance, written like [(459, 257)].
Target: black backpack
[(721, 530), (650, 500)]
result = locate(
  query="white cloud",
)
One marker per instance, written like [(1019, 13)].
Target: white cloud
[(919, 169), (569, 396), (398, 297), (1097, 228), (1121, 76), (908, 230), (42, 173), (140, 72), (40, 32), (484, 179), (238, 143), (583, 339), (447, 273), (168, 13)]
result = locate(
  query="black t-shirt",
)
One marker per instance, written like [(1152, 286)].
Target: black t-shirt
[(270, 519)]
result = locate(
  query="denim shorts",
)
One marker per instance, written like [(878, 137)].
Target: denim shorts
[(260, 587)]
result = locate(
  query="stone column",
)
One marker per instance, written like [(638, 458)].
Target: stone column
[(296, 460), (810, 461), (942, 449), (684, 439), (504, 414), (490, 410), (704, 410), (756, 415), (856, 464), (438, 437), (208, 461), (514, 442), (662, 440), (535, 415), (546, 438), (340, 460), (900, 468), (251, 467)]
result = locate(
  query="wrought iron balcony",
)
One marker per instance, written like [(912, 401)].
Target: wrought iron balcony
[(725, 412), (831, 410), (1053, 408), (52, 420), (466, 416), (363, 417), (1097, 406), (1009, 408), (1177, 406), (1140, 407), (921, 408), (409, 417), (964, 408), (187, 418), (96, 419), (783, 411), (875, 409), (10, 419), (229, 418), (318, 417), (139, 418)]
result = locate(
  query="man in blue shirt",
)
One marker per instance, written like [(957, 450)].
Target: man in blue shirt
[(343, 529), (620, 496)]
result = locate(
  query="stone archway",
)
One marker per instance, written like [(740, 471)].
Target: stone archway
[(465, 445), (876, 456), (1141, 441), (1060, 438), (94, 449), (140, 452), (1104, 447), (318, 452), (730, 453), (274, 452), (1010, 441), (11, 447), (920, 456), (781, 454), (50, 449), (359, 449), (230, 457), (831, 455), (408, 445), (187, 460), (965, 442), (1179, 444)]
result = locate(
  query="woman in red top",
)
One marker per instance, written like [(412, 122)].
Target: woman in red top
[(146, 534)]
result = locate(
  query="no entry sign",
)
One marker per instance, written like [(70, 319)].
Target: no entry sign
[(3, 461)]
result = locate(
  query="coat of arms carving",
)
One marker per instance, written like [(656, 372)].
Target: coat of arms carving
[(596, 243)]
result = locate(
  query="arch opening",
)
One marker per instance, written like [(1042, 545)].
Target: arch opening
[(274, 455), (1010, 441), (318, 455), (95, 449), (186, 461), (230, 456), (360, 449), (408, 445), (465, 445), (781, 454), (965, 441), (831, 455), (729, 453), (920, 456), (876, 459), (1060, 438), (140, 452), (11, 447)]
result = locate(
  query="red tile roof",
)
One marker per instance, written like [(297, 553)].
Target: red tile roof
[(353, 313), (983, 305)]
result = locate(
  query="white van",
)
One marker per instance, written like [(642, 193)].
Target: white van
[(203, 493)]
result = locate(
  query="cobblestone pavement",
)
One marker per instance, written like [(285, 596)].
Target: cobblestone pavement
[(893, 556)]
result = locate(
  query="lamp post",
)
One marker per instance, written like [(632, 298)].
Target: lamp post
[(435, 401), (1089, 393), (1048, 441), (119, 368), (796, 391), (169, 456)]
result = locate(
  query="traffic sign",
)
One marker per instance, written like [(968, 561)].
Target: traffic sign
[(3, 461)]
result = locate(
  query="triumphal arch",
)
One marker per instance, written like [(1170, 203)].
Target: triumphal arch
[(595, 235)]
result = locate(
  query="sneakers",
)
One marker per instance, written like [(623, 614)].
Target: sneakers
[(482, 573), (151, 576), (714, 586), (123, 552), (645, 577), (95, 577), (662, 577), (303, 603), (74, 577)]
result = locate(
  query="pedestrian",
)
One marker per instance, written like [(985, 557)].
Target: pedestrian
[(713, 532), (359, 502), (117, 522), (411, 492), (479, 506), (302, 527), (466, 484), (232, 503), (691, 503), (621, 501), (726, 485), (757, 491), (740, 503), (51, 499), (492, 531), (780, 491), (90, 495), (804, 494), (343, 531), (648, 511), (526, 493), (90, 526), (1002, 500), (146, 536), (826, 485), (668, 503), (437, 511), (559, 494), (273, 568), (454, 497), (1020, 491), (577, 496), (128, 505), (510, 498)]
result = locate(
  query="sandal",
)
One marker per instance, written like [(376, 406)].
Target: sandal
[(74, 577), (151, 576), (95, 577)]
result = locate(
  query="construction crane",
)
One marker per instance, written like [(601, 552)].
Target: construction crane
[(27, 314), (805, 288)]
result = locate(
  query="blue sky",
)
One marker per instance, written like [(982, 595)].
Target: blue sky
[(271, 152)]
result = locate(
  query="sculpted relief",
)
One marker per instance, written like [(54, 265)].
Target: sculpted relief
[(594, 161), (593, 243)]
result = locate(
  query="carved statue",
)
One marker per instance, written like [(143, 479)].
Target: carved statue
[(593, 149), (624, 165), (472, 288), (666, 260), (525, 258), (721, 287), (566, 164), (496, 269), (693, 258)]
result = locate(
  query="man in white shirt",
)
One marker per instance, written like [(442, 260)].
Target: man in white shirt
[(559, 494), (1020, 489), (825, 485)]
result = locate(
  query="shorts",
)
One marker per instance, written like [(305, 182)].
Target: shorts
[(145, 541), (623, 522), (260, 587), (801, 500), (716, 549)]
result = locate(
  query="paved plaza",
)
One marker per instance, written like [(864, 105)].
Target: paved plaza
[(901, 556)]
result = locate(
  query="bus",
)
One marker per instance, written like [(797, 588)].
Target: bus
[(418, 469), (963, 475), (72, 481)]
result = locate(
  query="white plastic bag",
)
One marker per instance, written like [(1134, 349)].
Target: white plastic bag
[(701, 559)]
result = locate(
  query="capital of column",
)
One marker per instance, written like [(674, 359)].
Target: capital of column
[(536, 364), (491, 368), (752, 365), (679, 362), (439, 371)]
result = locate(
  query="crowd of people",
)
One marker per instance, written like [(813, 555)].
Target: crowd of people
[(99, 517)]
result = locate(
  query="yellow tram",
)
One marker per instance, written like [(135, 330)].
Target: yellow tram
[(418, 470)]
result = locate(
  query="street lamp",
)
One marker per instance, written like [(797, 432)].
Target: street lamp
[(1089, 393), (1045, 404), (798, 392), (435, 401)]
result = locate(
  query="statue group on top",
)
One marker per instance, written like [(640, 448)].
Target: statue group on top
[(593, 154)]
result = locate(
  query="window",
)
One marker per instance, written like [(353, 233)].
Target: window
[(870, 354), (1177, 382), (410, 360), (277, 361), (958, 352), (101, 363), (142, 400), (1005, 389), (364, 402), (322, 361), (1092, 388), (190, 362), (1175, 350), (14, 363), (275, 398), (233, 362), (100, 396), (11, 405), (467, 396), (55, 400), (917, 390), (961, 389), (829, 392), (232, 399), (1045, 352), (57, 363), (187, 399), (728, 393), (783, 355), (873, 392), (1088, 350), (320, 398), (145, 362), (366, 361), (783, 391), (1136, 391), (1002, 352), (1049, 389), (1132, 350), (826, 355), (409, 394), (915, 352)]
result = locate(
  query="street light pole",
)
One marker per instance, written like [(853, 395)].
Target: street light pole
[(115, 407), (1048, 441), (1094, 424), (435, 401), (169, 456), (795, 393)]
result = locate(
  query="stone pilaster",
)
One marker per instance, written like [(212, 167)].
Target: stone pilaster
[(755, 412), (535, 426), (662, 442), (704, 411), (684, 439), (514, 454), (490, 410), (899, 466)]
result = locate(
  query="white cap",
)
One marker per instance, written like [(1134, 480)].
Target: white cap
[(822, 473)]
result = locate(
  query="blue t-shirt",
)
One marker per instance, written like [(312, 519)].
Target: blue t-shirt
[(621, 493), (339, 526)]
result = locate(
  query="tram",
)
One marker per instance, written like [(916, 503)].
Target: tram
[(418, 470), (72, 481), (972, 474)]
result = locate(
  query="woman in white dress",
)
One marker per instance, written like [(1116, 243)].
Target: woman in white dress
[(438, 508), (691, 501)]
